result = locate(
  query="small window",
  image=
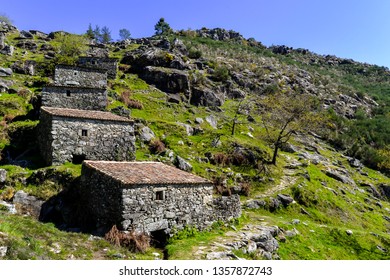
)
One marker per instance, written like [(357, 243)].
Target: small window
[(84, 132), (68, 93), (160, 195)]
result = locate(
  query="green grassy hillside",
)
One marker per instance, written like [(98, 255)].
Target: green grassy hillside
[(330, 217)]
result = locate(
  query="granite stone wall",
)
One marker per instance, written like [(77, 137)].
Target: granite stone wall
[(108, 64), (74, 98), (64, 139), (149, 208), (67, 75)]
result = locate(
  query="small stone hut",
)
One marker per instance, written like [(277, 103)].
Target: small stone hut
[(150, 197), (76, 76), (74, 97), (108, 64), (75, 135)]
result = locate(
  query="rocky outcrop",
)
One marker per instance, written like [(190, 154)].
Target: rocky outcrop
[(167, 79), (251, 240), (220, 34), (5, 72), (26, 67), (27, 204)]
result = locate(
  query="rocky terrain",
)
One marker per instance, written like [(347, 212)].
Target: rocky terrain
[(326, 198)]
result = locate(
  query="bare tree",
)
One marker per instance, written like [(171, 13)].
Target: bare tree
[(284, 114)]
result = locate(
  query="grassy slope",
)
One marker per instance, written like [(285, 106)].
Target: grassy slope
[(322, 233)]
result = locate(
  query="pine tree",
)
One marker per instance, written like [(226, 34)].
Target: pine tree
[(124, 34), (106, 35), (90, 34), (162, 27), (97, 34)]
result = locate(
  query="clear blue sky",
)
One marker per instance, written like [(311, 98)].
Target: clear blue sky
[(357, 29)]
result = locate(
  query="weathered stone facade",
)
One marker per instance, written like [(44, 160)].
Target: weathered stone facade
[(74, 97), (75, 135), (68, 75), (151, 196), (105, 63)]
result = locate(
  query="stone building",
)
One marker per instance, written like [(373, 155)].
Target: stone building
[(150, 197), (75, 135), (74, 97), (76, 76), (108, 64)]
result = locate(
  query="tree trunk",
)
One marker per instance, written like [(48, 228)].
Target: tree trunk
[(276, 149)]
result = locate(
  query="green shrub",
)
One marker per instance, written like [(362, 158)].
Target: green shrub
[(194, 53), (221, 74)]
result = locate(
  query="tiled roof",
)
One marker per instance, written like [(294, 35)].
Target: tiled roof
[(51, 86), (80, 68), (84, 114), (145, 173)]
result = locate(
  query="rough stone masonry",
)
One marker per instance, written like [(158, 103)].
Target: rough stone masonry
[(150, 197), (74, 135), (74, 97)]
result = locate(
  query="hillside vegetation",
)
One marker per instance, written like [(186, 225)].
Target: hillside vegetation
[(303, 138)]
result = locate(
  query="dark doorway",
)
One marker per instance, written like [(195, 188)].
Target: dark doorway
[(159, 238), (78, 159)]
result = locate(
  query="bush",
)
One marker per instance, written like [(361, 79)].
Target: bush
[(135, 242), (194, 53), (125, 97), (221, 159), (221, 74), (156, 146)]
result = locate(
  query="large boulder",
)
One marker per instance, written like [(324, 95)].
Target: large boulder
[(27, 204), (27, 45), (340, 177), (143, 57), (27, 67), (167, 80), (146, 134), (183, 164), (5, 72), (203, 96)]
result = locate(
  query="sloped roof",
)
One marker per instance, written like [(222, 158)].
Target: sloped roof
[(145, 173), (84, 114)]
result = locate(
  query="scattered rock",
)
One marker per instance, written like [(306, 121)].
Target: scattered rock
[(387, 218), (5, 72), (146, 134), (188, 128), (353, 162), (285, 199), (385, 189), (296, 221), (25, 35), (255, 204), (289, 148), (27, 204), (3, 251), (212, 121), (121, 111), (349, 232), (198, 120), (182, 164), (174, 98), (292, 233), (339, 177), (3, 176)]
